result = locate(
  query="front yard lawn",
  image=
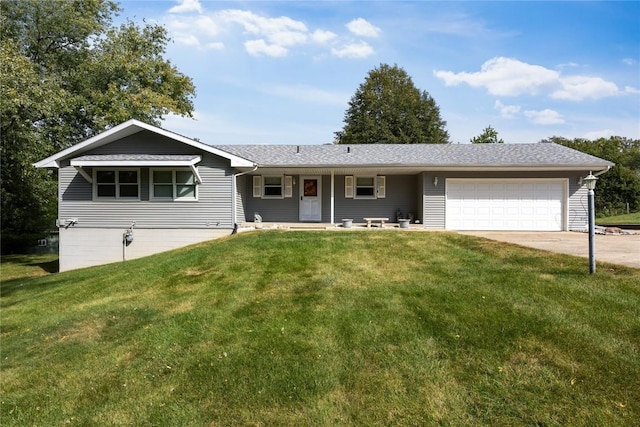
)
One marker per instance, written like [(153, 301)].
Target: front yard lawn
[(632, 218), (325, 328)]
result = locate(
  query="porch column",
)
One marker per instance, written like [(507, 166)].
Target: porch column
[(332, 198)]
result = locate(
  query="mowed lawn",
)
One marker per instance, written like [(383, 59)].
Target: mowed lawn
[(357, 328), (631, 218)]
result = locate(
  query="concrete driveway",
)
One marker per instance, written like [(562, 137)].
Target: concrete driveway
[(614, 248)]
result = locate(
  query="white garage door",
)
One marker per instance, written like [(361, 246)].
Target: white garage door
[(524, 205)]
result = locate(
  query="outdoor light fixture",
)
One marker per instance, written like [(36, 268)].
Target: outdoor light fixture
[(590, 183), (435, 181)]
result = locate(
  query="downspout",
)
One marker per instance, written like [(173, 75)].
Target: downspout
[(602, 171), (234, 187)]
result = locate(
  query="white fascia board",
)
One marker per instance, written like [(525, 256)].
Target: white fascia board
[(135, 163), (554, 168), (131, 127), (124, 129)]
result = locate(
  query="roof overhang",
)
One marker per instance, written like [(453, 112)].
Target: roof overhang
[(123, 161), (416, 169), (126, 160), (132, 127)]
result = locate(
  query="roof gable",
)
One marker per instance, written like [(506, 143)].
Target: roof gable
[(129, 128)]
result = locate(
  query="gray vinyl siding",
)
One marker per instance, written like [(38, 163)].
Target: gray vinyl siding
[(211, 210), (434, 201), (578, 216), (435, 197), (241, 197), (144, 142), (401, 193), (274, 210)]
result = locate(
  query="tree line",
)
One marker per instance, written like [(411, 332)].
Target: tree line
[(67, 73)]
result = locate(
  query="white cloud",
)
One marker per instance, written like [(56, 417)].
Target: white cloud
[(214, 46), (631, 90), (597, 134), (507, 111), (509, 77), (282, 28), (577, 88), (353, 50), (363, 28), (260, 47), (568, 65), (186, 6), (504, 76), (264, 35), (629, 61), (187, 39), (322, 36), (544, 117)]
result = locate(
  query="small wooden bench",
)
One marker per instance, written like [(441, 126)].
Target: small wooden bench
[(380, 220)]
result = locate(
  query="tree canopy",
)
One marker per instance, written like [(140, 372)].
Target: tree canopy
[(620, 185), (388, 109), (488, 136), (67, 74)]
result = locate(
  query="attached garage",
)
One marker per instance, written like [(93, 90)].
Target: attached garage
[(506, 204)]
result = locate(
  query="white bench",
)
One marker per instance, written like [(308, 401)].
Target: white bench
[(380, 220)]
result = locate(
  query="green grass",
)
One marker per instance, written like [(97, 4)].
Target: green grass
[(323, 329), (25, 266), (632, 218)]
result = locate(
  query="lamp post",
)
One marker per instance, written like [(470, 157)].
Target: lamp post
[(590, 182)]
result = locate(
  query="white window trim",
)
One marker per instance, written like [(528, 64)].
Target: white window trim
[(351, 187), (355, 187), (117, 197), (282, 187), (174, 185)]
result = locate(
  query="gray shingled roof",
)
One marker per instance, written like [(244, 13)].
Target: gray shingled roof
[(449, 155)]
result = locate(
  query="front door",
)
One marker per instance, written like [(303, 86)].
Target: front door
[(310, 198)]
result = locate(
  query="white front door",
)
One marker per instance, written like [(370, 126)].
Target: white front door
[(310, 198)]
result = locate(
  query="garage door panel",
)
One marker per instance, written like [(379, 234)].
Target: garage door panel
[(505, 205)]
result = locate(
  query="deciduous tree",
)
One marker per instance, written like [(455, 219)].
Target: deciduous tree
[(488, 136), (67, 74), (620, 185)]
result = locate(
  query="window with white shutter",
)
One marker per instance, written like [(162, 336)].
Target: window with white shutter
[(257, 186), (288, 186), (348, 187), (382, 187)]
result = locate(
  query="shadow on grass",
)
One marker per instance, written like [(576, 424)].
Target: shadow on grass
[(49, 266), (13, 284), (9, 287)]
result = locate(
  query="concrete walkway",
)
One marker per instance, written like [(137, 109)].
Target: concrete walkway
[(615, 249)]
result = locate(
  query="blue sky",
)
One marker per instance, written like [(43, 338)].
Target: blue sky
[(284, 72)]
